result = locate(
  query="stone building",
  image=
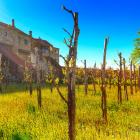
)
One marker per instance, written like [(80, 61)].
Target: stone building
[(18, 49)]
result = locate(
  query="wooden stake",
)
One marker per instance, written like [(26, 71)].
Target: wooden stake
[(103, 87)]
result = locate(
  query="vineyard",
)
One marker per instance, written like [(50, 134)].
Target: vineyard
[(20, 117), (69, 102)]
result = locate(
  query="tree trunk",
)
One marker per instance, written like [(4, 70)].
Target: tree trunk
[(120, 80), (131, 79), (71, 106), (135, 78), (72, 76), (86, 78), (39, 98), (125, 80), (103, 87)]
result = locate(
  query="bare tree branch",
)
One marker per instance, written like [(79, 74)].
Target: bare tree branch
[(71, 37), (69, 11), (66, 61), (67, 32), (65, 41), (116, 63), (63, 98)]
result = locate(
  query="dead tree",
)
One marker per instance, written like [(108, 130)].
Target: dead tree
[(85, 77), (139, 77), (125, 79), (70, 61), (135, 78), (120, 79), (131, 78), (103, 86)]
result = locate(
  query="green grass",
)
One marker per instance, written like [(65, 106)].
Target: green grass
[(20, 118)]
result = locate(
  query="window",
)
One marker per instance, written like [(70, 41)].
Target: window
[(56, 51), (26, 42), (45, 49)]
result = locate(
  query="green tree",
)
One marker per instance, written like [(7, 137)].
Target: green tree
[(135, 55)]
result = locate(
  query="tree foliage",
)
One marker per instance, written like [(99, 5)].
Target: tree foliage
[(135, 55)]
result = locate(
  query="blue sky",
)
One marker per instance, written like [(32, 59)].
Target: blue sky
[(118, 19)]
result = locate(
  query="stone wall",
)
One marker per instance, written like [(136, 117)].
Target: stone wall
[(24, 45), (15, 39)]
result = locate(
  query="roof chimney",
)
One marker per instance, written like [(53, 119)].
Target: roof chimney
[(30, 33), (13, 23)]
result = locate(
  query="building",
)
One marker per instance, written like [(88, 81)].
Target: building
[(18, 49)]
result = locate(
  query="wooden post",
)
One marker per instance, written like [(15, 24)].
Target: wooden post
[(85, 77), (31, 73), (103, 87), (120, 80), (78, 79), (135, 78), (125, 79), (131, 79)]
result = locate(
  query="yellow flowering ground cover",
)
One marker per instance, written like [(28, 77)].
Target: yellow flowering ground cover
[(20, 118)]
